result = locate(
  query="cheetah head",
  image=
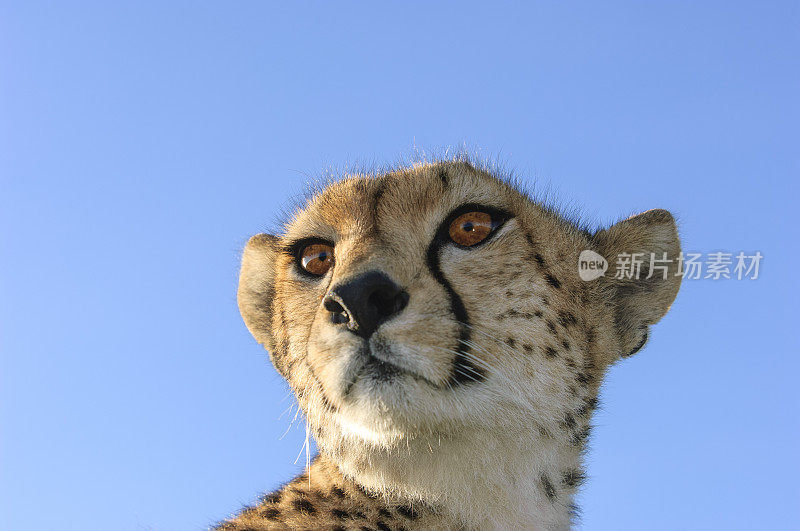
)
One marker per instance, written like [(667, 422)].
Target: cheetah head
[(439, 300)]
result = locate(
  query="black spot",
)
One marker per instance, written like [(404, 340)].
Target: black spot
[(550, 352), (553, 281), (374, 205), (366, 528), (511, 342), (527, 348), (539, 259), (509, 293), (304, 505), (272, 497), (338, 528), (548, 488), (442, 174), (368, 494), (383, 512), (383, 527), (408, 512), (566, 319), (340, 514), (584, 378), (538, 313), (359, 514), (580, 438), (569, 421), (565, 344), (271, 513), (338, 492), (573, 478), (589, 404), (591, 334)]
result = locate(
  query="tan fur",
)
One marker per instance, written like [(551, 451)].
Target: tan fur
[(503, 452)]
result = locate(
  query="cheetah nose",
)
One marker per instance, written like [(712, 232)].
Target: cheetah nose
[(363, 303)]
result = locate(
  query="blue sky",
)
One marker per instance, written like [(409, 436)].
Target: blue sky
[(141, 143)]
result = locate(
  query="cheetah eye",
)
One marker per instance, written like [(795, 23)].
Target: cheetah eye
[(471, 228), (316, 258)]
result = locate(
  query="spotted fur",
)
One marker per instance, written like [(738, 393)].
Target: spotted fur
[(471, 407)]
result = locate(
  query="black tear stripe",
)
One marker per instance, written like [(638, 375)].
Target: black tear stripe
[(464, 370)]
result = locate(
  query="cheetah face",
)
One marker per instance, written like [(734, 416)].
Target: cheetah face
[(390, 338), (436, 298)]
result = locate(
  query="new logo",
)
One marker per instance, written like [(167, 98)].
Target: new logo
[(591, 265)]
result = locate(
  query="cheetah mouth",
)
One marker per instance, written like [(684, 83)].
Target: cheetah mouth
[(381, 370), (378, 370)]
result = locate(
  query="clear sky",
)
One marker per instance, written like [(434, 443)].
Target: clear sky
[(141, 143)]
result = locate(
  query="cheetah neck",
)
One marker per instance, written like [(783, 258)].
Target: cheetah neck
[(486, 479)]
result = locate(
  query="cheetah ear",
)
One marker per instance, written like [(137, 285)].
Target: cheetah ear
[(639, 303), (257, 287)]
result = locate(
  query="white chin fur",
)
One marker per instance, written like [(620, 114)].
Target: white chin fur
[(384, 436)]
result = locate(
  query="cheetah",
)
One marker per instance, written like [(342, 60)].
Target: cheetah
[(443, 348)]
